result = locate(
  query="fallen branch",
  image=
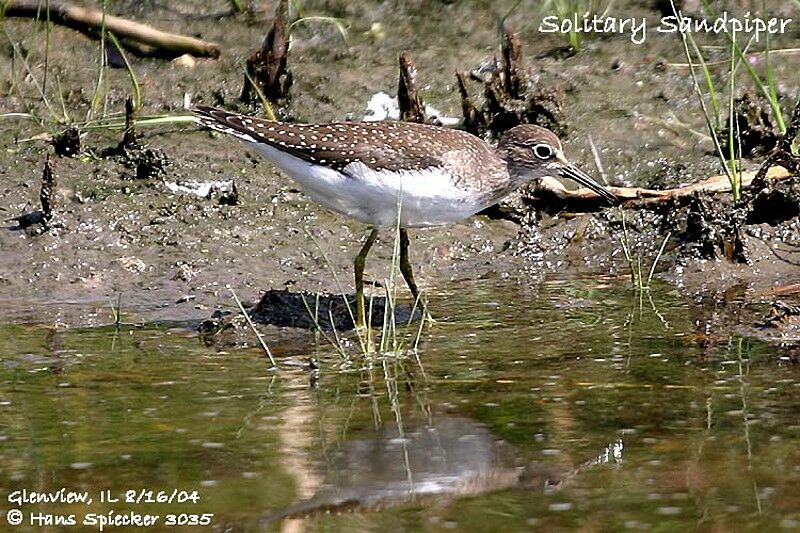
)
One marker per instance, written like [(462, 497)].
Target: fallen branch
[(551, 191), (92, 20)]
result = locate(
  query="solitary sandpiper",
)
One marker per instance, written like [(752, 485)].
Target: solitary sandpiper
[(373, 170)]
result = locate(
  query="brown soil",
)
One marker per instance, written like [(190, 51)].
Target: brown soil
[(120, 230)]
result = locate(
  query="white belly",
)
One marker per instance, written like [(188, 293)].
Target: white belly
[(425, 198)]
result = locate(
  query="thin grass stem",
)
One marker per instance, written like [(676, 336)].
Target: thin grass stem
[(658, 258), (339, 287), (137, 88), (686, 38), (265, 104), (253, 327), (314, 318), (338, 23), (98, 86)]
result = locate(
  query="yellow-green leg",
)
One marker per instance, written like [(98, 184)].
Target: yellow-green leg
[(405, 265), (359, 263), (408, 275)]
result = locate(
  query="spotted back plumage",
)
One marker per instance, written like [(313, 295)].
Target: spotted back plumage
[(381, 146)]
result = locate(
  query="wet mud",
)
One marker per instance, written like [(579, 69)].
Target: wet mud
[(744, 256), (309, 311), (123, 230)]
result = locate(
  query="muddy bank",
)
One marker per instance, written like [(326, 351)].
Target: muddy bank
[(123, 228), (736, 262)]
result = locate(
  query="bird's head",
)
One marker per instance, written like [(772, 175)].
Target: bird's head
[(532, 152)]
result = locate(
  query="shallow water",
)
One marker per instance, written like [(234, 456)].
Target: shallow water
[(629, 417), (622, 411)]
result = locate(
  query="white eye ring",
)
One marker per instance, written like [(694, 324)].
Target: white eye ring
[(543, 151)]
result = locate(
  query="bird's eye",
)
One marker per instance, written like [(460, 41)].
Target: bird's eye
[(543, 151)]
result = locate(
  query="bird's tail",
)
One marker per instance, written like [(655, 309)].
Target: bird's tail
[(225, 122)]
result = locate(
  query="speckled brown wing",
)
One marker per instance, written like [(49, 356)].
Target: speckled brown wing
[(396, 147), (389, 146)]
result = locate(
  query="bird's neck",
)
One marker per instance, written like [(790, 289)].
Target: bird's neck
[(518, 174)]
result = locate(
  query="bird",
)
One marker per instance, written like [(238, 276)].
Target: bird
[(390, 174)]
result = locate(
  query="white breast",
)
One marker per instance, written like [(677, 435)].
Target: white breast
[(427, 198)]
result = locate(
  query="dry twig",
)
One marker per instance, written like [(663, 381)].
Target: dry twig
[(91, 21)]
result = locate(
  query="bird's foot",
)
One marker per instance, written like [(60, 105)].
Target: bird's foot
[(421, 304), (428, 317), (360, 324)]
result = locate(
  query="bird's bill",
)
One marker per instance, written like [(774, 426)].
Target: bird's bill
[(570, 171)]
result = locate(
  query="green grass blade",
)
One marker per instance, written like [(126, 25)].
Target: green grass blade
[(137, 88), (712, 91), (338, 23), (265, 104)]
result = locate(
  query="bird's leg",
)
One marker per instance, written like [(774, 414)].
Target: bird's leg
[(359, 263), (405, 265), (408, 274)]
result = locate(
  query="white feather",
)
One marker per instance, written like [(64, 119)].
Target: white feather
[(427, 197)]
